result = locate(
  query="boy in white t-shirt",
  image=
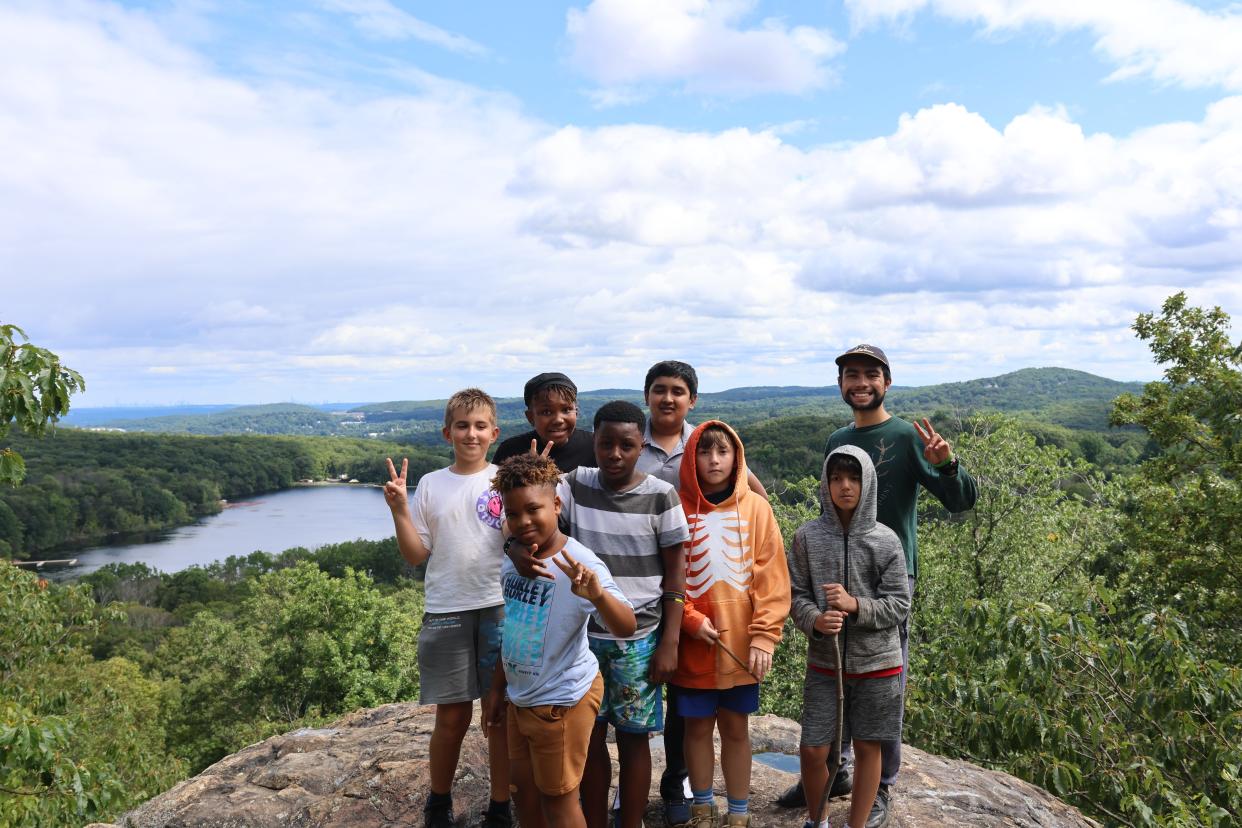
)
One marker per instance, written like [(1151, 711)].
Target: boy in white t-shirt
[(455, 528)]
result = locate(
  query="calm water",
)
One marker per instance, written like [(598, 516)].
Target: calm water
[(309, 517)]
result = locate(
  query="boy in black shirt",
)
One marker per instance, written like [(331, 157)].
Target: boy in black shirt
[(552, 408)]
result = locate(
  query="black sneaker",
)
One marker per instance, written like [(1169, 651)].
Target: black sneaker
[(881, 811), (841, 784), (793, 797), (497, 819), (438, 816)]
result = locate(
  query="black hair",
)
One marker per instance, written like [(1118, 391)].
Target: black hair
[(565, 392), (620, 411), (673, 368), (845, 463)]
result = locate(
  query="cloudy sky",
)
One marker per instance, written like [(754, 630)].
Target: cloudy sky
[(348, 200)]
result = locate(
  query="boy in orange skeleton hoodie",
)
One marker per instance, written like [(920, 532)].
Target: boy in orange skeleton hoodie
[(737, 599)]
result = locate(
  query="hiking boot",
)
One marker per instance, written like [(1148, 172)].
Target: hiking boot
[(438, 816), (881, 810), (703, 816), (737, 821), (676, 811)]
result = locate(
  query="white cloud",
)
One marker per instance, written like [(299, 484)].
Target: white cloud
[(1167, 40), (697, 44), (177, 234), (382, 20)]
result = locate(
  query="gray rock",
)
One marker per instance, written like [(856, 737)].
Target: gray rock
[(370, 769)]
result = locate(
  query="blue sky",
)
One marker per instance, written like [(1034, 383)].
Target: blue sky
[(373, 199)]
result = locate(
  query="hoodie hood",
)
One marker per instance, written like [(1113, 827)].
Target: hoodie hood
[(864, 514), (690, 489)]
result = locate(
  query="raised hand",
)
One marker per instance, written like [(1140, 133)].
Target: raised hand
[(936, 449), (534, 448), (395, 490), (582, 581), (525, 560)]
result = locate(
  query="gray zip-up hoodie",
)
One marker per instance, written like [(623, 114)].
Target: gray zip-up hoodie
[(867, 559)]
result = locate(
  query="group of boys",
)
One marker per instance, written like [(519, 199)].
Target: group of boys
[(577, 577)]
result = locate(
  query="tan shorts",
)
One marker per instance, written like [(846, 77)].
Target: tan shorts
[(554, 739)]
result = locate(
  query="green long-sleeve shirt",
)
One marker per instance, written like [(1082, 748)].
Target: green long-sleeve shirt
[(897, 452)]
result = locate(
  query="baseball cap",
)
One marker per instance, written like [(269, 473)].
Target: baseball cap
[(869, 351), (536, 384)]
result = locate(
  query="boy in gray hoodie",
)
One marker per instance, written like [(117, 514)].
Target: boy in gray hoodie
[(848, 577)]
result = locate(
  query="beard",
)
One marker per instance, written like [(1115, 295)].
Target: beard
[(877, 400)]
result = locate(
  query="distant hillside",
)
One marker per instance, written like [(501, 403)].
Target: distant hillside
[(1059, 396), (275, 418)]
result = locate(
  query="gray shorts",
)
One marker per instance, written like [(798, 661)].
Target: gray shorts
[(457, 654), (873, 708)]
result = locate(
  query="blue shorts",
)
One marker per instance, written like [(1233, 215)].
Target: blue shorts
[(632, 702), (697, 703)]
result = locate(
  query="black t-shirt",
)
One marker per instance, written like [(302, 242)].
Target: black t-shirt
[(579, 450)]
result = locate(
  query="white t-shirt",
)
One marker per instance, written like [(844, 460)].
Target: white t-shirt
[(458, 518)]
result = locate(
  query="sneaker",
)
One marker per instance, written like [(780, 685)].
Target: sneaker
[(438, 816), (703, 816), (881, 810), (676, 812), (793, 797), (841, 784), (497, 819)]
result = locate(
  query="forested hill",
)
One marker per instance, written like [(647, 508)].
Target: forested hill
[(1059, 396)]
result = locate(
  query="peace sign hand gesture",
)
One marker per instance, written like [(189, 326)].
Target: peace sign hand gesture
[(582, 581), (394, 489), (936, 449)]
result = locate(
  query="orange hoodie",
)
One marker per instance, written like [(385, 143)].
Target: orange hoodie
[(736, 575)]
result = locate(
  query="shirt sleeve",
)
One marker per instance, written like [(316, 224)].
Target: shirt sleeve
[(420, 512), (671, 526), (565, 491), (956, 492)]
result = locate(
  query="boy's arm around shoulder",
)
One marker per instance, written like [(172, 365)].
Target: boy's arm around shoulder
[(615, 611), (804, 608), (769, 581), (892, 602)]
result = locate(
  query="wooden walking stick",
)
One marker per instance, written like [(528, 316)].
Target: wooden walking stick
[(836, 749)]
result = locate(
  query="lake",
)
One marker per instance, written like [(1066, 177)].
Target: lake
[(308, 516)]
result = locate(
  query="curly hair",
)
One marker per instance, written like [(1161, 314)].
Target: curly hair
[(522, 470)]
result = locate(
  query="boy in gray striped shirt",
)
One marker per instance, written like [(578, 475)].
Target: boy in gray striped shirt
[(635, 524)]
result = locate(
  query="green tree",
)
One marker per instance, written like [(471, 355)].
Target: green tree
[(34, 391), (1186, 502), (79, 739), (303, 646)]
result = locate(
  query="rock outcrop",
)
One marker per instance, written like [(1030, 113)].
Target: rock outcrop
[(370, 769)]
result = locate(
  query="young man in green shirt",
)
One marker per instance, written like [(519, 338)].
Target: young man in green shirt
[(905, 456)]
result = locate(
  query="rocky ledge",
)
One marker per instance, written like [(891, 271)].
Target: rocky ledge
[(370, 769)]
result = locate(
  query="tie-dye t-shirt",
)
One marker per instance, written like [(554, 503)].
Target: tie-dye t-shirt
[(544, 652)]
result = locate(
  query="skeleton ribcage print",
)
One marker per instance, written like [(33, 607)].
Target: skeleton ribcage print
[(719, 552)]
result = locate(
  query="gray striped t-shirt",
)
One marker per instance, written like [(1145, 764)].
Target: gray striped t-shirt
[(626, 530)]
